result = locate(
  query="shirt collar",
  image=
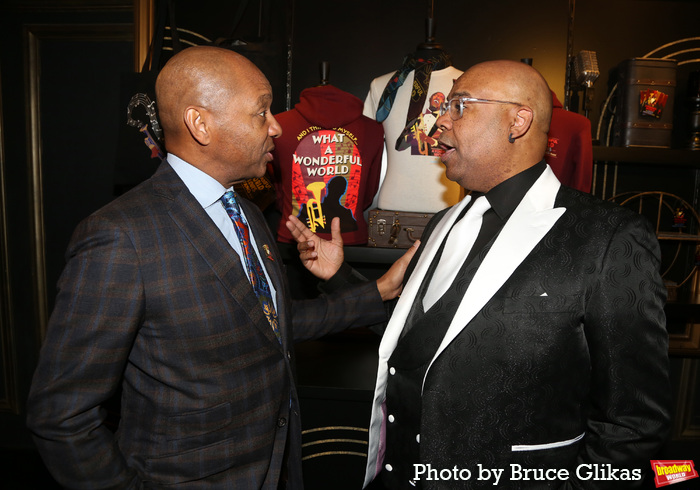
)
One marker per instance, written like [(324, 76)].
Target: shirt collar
[(506, 196), (205, 188)]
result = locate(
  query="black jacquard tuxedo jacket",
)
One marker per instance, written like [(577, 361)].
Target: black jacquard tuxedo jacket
[(556, 357), (154, 300)]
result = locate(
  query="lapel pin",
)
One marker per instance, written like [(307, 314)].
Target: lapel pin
[(268, 254)]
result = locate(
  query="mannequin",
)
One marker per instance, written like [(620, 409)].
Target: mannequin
[(414, 177)]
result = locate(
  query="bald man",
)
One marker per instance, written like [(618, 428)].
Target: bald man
[(536, 357), (157, 300)]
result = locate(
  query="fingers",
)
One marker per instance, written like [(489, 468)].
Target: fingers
[(305, 246), (307, 250), (391, 283), (402, 263), (307, 256), (408, 255), (298, 230), (335, 230)]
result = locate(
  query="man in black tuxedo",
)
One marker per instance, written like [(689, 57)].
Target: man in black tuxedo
[(538, 357)]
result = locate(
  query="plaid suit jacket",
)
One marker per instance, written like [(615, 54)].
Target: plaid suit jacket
[(153, 300)]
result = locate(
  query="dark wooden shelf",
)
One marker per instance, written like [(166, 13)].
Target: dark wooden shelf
[(681, 237), (372, 255), (647, 156)]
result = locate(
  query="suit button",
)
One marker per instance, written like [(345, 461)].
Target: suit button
[(389, 467), (418, 438), (281, 422), (392, 371), (391, 418)]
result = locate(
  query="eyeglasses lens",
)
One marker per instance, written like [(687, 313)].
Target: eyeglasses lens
[(455, 109)]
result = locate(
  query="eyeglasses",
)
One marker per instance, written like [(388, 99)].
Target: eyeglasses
[(455, 107)]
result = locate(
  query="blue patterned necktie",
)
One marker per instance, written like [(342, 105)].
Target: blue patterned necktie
[(255, 271)]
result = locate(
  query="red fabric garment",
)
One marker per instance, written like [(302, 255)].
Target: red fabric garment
[(327, 163), (570, 148)]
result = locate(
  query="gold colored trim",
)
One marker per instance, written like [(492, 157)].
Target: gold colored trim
[(8, 399), (33, 35), (334, 453), (687, 343), (334, 427), (36, 209), (144, 26), (336, 440), (329, 441)]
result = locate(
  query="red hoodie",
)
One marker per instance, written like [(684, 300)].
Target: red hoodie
[(327, 163), (570, 148)]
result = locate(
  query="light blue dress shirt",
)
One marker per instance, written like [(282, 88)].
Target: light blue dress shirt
[(208, 191)]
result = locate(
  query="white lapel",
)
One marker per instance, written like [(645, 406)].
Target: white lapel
[(408, 295), (529, 223), (395, 327)]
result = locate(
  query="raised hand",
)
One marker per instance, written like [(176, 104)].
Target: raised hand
[(321, 257)]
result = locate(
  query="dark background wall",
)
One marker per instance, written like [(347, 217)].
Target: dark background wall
[(371, 38), (61, 63)]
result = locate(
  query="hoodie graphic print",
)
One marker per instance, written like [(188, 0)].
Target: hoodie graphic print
[(327, 163)]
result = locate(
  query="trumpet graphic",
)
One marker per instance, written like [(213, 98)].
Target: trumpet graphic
[(313, 207)]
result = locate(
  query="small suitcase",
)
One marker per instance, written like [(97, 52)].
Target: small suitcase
[(395, 229), (645, 102)]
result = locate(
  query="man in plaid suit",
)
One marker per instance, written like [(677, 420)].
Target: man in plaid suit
[(155, 300)]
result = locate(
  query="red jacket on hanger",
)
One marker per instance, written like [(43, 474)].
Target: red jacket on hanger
[(570, 148)]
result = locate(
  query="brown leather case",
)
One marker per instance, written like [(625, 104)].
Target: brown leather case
[(395, 229)]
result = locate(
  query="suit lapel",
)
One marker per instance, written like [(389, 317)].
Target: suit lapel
[(528, 224), (396, 325), (408, 295), (211, 245)]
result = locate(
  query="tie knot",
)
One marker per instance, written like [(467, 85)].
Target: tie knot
[(480, 206), (230, 202)]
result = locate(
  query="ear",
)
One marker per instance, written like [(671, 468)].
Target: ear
[(523, 121), (196, 121)]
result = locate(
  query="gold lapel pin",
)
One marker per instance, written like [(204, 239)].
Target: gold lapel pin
[(268, 254)]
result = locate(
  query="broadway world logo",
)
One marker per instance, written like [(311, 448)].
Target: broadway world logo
[(670, 472)]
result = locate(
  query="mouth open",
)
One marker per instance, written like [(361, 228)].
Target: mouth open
[(447, 150)]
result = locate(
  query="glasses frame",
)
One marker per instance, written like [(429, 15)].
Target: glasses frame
[(445, 106)]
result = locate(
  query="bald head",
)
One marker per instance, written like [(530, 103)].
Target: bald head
[(214, 105), (503, 133), (521, 83), (200, 76)]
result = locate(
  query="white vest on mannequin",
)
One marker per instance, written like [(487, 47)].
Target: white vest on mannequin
[(412, 181)]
